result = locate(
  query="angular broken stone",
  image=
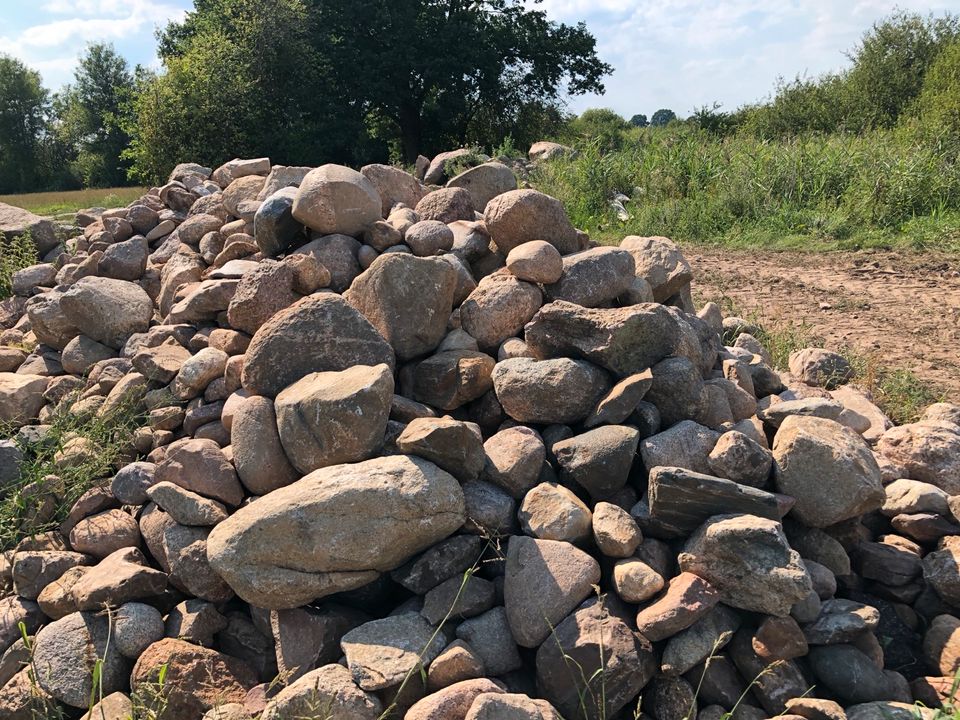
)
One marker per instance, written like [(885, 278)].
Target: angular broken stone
[(747, 559), (545, 580), (684, 499), (623, 340), (121, 577), (329, 418), (616, 663), (599, 460), (381, 653), (828, 469)]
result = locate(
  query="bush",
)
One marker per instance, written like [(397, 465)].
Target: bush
[(938, 106), (15, 254)]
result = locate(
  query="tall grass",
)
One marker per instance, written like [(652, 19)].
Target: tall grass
[(15, 254), (886, 188)]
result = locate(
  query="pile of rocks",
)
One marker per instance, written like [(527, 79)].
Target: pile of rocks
[(422, 451)]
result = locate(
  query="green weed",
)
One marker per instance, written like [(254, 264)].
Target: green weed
[(15, 254), (46, 489)]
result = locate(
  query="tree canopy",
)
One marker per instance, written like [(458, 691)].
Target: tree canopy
[(662, 116), (313, 80), (89, 115), (23, 106)]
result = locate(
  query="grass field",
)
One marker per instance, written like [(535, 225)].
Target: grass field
[(814, 192), (69, 201)]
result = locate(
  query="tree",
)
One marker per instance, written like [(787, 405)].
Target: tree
[(938, 107), (90, 115), (23, 106), (431, 68), (890, 63), (639, 120), (602, 126), (241, 78), (662, 116)]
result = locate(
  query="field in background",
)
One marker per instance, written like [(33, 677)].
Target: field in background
[(69, 201), (883, 189)]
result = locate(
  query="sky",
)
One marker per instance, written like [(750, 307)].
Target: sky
[(677, 54)]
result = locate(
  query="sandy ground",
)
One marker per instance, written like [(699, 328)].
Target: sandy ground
[(904, 309)]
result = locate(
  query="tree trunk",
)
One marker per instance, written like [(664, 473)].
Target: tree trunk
[(411, 130)]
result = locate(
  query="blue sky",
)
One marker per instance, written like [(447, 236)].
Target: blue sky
[(679, 54)]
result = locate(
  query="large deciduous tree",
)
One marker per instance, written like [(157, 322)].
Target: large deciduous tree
[(348, 80), (23, 106), (432, 67), (241, 78), (89, 115), (662, 116)]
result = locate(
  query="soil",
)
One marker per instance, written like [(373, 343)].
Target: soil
[(903, 309)]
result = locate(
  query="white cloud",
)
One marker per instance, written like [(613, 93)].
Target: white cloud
[(53, 47), (687, 53)]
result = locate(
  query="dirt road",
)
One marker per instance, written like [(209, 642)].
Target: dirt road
[(902, 308)]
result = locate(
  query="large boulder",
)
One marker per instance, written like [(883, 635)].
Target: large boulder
[(336, 199), (21, 397), (499, 308), (748, 560), (335, 529), (820, 367), (107, 310), (194, 679), (319, 333), (339, 254), (623, 340), (200, 466), (519, 216), (549, 391), (258, 454), (382, 653), (261, 293), (407, 299), (64, 655), (452, 378), (48, 320), (455, 446), (393, 185), (593, 277), (659, 261), (484, 182), (544, 581), (827, 468), (928, 452), (274, 227), (330, 687), (330, 418), (593, 664), (436, 172), (547, 150), (15, 222)]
